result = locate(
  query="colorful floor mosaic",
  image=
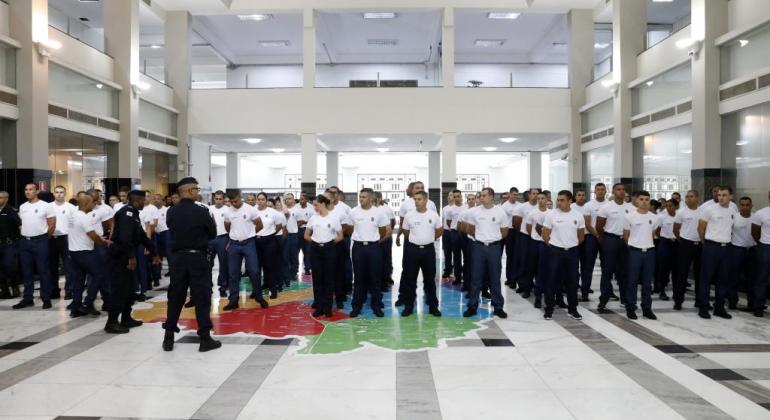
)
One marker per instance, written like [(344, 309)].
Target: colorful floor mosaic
[(290, 316)]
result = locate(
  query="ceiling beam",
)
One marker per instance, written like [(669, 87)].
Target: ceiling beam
[(218, 45), (543, 47)]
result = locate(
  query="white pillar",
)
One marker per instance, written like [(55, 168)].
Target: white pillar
[(121, 32), (232, 170), (581, 53), (448, 49), (434, 177), (332, 169), (535, 170), (178, 31), (709, 21), (629, 25), (309, 163), (448, 164), (308, 50)]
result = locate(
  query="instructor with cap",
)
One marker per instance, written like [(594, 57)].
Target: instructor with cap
[(191, 227)]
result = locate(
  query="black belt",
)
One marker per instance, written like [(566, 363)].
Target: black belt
[(488, 243), (34, 238), (365, 243), (640, 249), (721, 244), (262, 238), (687, 240), (224, 234), (561, 248), (428, 246), (243, 242), (321, 245), (60, 236), (190, 251), (611, 234)]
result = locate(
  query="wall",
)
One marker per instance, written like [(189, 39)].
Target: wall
[(667, 88), (69, 88), (157, 119), (75, 54), (158, 92), (524, 75), (200, 162), (746, 12), (4, 25), (662, 56)]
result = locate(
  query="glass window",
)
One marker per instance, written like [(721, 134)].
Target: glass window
[(598, 166), (76, 28), (154, 168), (7, 140), (599, 116), (602, 50), (746, 146), (157, 119), (77, 161), (665, 18), (7, 66), (663, 160), (558, 177), (745, 56), (664, 89), (68, 88)]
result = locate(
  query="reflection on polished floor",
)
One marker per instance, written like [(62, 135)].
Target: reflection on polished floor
[(280, 363)]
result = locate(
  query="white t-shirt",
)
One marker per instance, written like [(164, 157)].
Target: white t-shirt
[(464, 217), (117, 206), (304, 214), (641, 229), (103, 213), (82, 223), (615, 215), (341, 213), (422, 226), (324, 228), (219, 218), (710, 203), (446, 211), (564, 227), (762, 219), (579, 208), (592, 208), (160, 215), (64, 212), (366, 223), (457, 211), (719, 221), (271, 218), (241, 222), (535, 218), (34, 218), (666, 223), (523, 211), (742, 231), (510, 209), (148, 216), (688, 219), (291, 219), (488, 222), (408, 205)]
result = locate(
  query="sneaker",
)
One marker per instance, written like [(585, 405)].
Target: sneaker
[(574, 314), (548, 315)]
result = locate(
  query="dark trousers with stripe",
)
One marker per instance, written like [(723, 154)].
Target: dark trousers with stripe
[(688, 254), (665, 259), (590, 250), (563, 266), (641, 270), (614, 263), (761, 277), (367, 266), (323, 259), (715, 267), (420, 258)]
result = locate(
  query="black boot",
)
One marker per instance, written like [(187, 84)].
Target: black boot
[(168, 341), (208, 343)]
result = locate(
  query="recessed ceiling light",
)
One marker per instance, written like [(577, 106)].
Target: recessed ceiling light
[(379, 140), (490, 149), (252, 140), (489, 42), (155, 46), (278, 150), (256, 17), (99, 85), (503, 15), (601, 45), (382, 42), (274, 43), (742, 143), (379, 15), (743, 42), (650, 82), (382, 149), (508, 139)]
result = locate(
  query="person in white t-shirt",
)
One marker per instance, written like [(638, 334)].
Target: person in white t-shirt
[(38, 222), (446, 245), (609, 225), (742, 254), (715, 200), (242, 223), (638, 233), (487, 225), (760, 231), (563, 231), (218, 245), (344, 261), (304, 213), (591, 243), (267, 244), (160, 236), (122, 199), (387, 244), (688, 246), (538, 252), (81, 239), (665, 252), (422, 227), (57, 245), (523, 240), (455, 240), (511, 207), (323, 231), (464, 241), (294, 217), (715, 229)]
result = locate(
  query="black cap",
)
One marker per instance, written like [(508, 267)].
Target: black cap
[(137, 193), (185, 181)]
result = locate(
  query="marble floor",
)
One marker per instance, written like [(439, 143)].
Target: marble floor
[(280, 363)]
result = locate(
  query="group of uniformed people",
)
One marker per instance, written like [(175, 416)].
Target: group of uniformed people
[(550, 248)]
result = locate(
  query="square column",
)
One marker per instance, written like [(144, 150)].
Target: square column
[(536, 170), (121, 32), (308, 50), (232, 170), (448, 49), (178, 33), (332, 169), (434, 178), (581, 52), (309, 164), (448, 165), (629, 25), (709, 21)]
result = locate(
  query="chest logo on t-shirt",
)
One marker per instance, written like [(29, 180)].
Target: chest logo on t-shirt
[(244, 217), (35, 210), (493, 219), (63, 211), (372, 219), (329, 225), (650, 221), (574, 221), (626, 211), (430, 221)]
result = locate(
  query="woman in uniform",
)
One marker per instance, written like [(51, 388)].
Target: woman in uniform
[(323, 231)]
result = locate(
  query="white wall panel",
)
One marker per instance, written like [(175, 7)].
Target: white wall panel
[(746, 12), (78, 55)]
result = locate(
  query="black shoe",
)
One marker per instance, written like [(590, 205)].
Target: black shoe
[(704, 313), (47, 304), (486, 295), (230, 306), (677, 306), (355, 312), (407, 311), (519, 290), (722, 313), (262, 302), (169, 274), (90, 310), (399, 302), (470, 312), (561, 304), (274, 294), (168, 341), (23, 304), (732, 305), (590, 291), (574, 314), (317, 313), (189, 304), (208, 344), (584, 297), (156, 283), (538, 303), (223, 292), (67, 295), (341, 305), (526, 295), (613, 296), (328, 312), (141, 297), (378, 312), (76, 313), (759, 313), (433, 310), (647, 313), (631, 314), (115, 328), (602, 309), (663, 296), (129, 322), (548, 315), (56, 294), (500, 313)]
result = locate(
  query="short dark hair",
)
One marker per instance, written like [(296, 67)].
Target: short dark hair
[(641, 193), (745, 198), (322, 199), (580, 191), (218, 192), (456, 191), (693, 191), (565, 193), (727, 188), (600, 184), (234, 193), (618, 184), (422, 193), (489, 191), (262, 193), (513, 189), (366, 190)]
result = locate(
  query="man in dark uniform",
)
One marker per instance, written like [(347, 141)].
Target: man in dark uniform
[(191, 227), (9, 235), (127, 234)]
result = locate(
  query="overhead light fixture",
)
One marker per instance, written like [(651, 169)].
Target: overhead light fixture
[(743, 42), (508, 139), (45, 47), (601, 45), (155, 47), (382, 42), (687, 151), (274, 43), (99, 85), (252, 140), (742, 143), (490, 149), (503, 15), (382, 149), (379, 15), (379, 140), (489, 42), (650, 83), (255, 17), (278, 150)]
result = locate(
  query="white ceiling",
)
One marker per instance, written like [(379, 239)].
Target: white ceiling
[(665, 13)]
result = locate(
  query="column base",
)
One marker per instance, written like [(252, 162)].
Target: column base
[(309, 188), (434, 194), (702, 180), (446, 188), (13, 180), (113, 185)]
